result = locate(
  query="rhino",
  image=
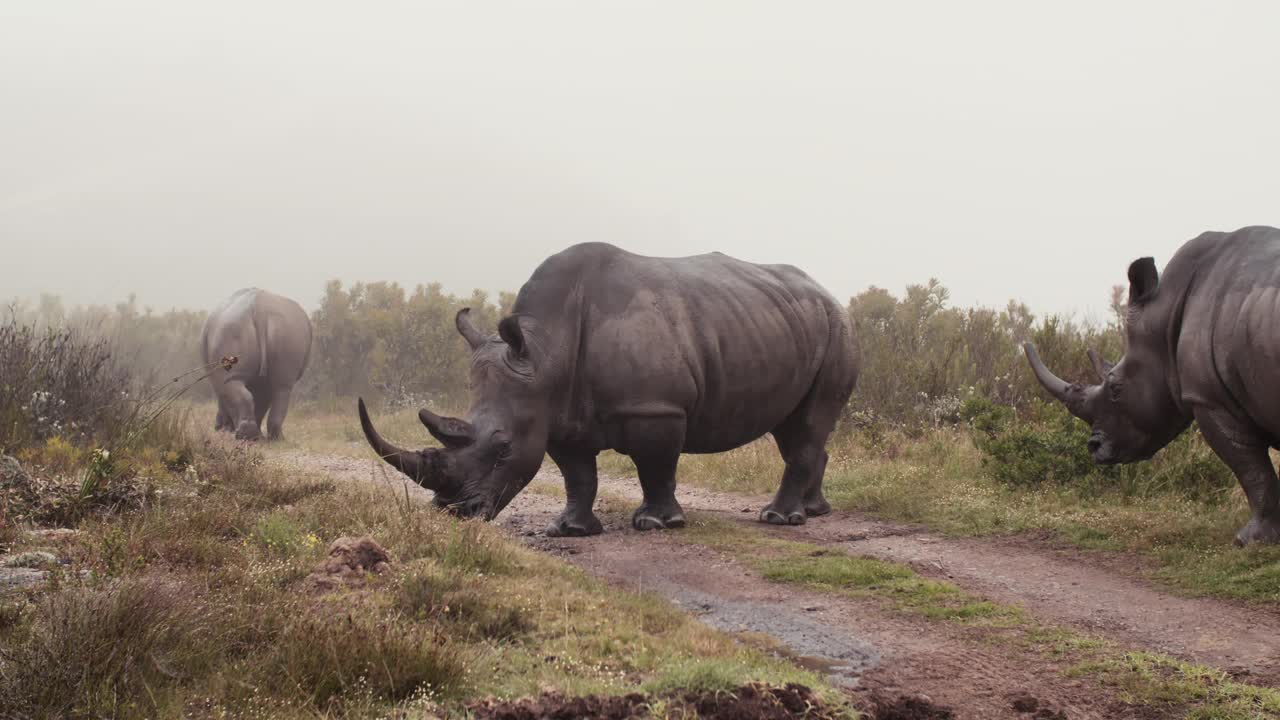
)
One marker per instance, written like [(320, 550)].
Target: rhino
[(1202, 343), (650, 357), (270, 337)]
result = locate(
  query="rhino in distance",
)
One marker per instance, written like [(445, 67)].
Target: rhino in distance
[(270, 336)]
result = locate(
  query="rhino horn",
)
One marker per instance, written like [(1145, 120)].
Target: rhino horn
[(451, 432), (1072, 396), (467, 329), (1100, 365), (416, 465)]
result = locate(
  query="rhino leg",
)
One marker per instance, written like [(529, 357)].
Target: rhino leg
[(261, 403), (222, 421), (659, 509), (800, 494), (580, 484), (815, 503), (239, 407), (1246, 454), (279, 409)]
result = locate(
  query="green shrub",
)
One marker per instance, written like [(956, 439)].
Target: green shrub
[(1047, 446), (1019, 453)]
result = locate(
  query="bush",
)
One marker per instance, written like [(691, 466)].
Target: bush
[(1048, 446), (58, 383), (1052, 450)]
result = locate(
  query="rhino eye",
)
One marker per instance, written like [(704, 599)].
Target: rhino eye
[(1114, 390), (504, 453)]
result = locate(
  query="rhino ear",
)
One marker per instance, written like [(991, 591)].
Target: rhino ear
[(510, 332), (1143, 280)]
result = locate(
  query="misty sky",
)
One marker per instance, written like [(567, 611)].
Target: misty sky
[(1011, 149)]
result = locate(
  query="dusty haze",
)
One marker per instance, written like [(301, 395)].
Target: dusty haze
[(1011, 149)]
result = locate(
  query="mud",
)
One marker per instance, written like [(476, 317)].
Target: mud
[(908, 707), (748, 702), (1088, 592), (812, 644)]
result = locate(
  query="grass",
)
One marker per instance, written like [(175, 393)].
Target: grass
[(827, 570), (938, 481), (198, 603), (334, 428), (1142, 679), (1155, 680)]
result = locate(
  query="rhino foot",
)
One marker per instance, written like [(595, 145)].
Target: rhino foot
[(815, 508), (575, 526), (776, 517), (1264, 531), (657, 518)]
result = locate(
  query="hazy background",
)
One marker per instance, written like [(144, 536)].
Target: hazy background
[(1011, 149)]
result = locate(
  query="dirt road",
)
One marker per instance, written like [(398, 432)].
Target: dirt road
[(875, 651)]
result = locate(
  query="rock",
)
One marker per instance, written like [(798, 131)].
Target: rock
[(18, 578), (54, 534), (11, 472), (34, 559)]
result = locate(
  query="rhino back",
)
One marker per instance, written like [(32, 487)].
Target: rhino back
[(1228, 335), (251, 319), (229, 330), (732, 346), (287, 330)]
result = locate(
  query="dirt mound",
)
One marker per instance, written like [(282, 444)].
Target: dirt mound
[(1035, 708), (748, 702), (349, 560), (908, 707)]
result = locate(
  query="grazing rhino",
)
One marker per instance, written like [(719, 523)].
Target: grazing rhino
[(271, 338), (650, 357), (1203, 344)]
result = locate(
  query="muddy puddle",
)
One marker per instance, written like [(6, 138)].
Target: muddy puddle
[(802, 638)]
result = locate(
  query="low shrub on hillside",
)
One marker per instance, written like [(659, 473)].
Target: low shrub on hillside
[(58, 382), (1046, 445)]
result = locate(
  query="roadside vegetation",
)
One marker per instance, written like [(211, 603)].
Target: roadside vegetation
[(153, 570), (948, 427)]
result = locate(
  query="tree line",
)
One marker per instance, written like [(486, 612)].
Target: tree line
[(922, 358)]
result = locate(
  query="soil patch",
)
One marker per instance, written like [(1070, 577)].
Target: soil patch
[(908, 707), (348, 562), (748, 702)]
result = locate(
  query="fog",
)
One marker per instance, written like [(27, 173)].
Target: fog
[(1010, 149)]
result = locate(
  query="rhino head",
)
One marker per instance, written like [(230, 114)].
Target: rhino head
[(494, 452), (1132, 411)]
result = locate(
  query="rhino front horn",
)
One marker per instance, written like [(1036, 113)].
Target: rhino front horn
[(1072, 396), (417, 465)]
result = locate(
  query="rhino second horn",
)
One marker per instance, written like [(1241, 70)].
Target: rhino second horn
[(475, 339), (1100, 365), (413, 464)]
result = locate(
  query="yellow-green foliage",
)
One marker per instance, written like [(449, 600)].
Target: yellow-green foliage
[(208, 605)]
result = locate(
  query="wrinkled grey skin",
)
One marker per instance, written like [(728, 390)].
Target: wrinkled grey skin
[(650, 357), (1203, 344), (271, 337)]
